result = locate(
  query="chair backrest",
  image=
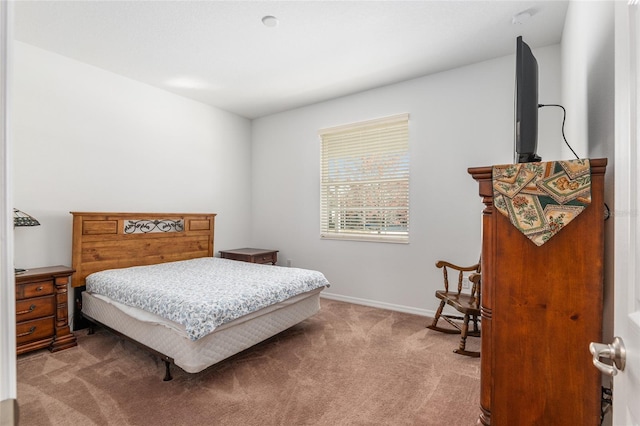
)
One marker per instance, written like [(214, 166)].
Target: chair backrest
[(476, 288), (464, 272)]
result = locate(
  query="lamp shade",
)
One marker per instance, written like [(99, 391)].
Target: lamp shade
[(20, 218)]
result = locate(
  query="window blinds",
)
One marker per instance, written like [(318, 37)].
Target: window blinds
[(364, 191)]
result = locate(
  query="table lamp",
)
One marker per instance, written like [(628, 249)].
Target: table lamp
[(21, 218)]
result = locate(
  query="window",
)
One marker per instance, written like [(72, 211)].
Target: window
[(364, 192)]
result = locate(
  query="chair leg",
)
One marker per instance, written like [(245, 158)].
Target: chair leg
[(438, 313), (476, 330), (463, 333), (463, 339), (434, 324)]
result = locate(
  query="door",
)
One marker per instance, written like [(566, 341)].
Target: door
[(8, 385), (626, 385)]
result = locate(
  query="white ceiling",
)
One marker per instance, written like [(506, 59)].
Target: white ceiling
[(318, 51)]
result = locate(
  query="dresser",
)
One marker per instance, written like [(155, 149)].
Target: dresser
[(42, 309), (541, 307), (251, 255)]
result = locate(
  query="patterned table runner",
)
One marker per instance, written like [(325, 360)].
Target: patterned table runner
[(541, 198)]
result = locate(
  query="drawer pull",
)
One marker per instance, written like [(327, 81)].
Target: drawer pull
[(31, 331), (26, 311), (39, 288)]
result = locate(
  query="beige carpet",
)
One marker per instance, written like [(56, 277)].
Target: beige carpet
[(347, 365)]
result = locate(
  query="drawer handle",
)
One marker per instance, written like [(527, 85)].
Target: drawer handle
[(31, 330), (40, 288), (31, 309)]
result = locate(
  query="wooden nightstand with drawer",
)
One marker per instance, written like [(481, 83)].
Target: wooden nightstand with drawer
[(251, 255), (41, 310)]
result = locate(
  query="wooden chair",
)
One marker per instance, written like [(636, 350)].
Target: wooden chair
[(468, 304)]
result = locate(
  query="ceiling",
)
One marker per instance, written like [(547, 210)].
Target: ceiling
[(220, 52)]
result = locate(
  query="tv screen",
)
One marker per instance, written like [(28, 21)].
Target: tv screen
[(526, 104)]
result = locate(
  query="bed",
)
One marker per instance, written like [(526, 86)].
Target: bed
[(120, 259)]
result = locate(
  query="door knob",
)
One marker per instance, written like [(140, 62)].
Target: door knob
[(614, 351)]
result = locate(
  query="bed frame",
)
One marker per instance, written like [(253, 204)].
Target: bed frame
[(118, 240)]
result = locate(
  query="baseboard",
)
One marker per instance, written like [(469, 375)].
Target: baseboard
[(378, 304)]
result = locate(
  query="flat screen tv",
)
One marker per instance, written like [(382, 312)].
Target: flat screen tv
[(526, 104)]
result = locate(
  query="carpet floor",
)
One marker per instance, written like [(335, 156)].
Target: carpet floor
[(347, 365)]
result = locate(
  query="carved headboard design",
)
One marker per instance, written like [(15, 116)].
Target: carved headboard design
[(119, 240)]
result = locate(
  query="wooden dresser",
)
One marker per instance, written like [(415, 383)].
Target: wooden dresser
[(41, 309), (541, 307)]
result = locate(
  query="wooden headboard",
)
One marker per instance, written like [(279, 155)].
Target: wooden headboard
[(119, 240)]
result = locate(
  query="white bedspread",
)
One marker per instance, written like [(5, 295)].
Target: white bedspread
[(204, 293)]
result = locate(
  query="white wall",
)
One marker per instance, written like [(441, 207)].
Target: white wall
[(458, 119), (86, 139), (588, 79), (588, 90), (90, 140)]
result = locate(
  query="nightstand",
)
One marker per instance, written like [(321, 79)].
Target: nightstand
[(42, 315), (251, 255)]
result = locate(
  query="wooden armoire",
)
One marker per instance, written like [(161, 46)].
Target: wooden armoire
[(541, 307)]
